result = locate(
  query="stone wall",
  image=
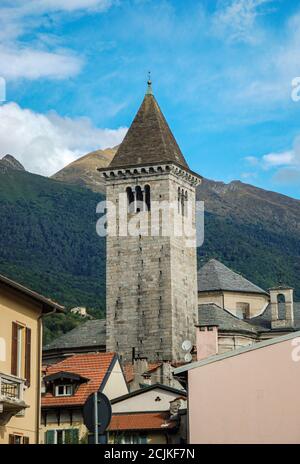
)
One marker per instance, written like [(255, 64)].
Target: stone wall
[(151, 280)]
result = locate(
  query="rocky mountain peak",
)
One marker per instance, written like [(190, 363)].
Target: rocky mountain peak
[(8, 161)]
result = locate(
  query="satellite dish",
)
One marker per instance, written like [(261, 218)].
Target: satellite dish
[(188, 357), (187, 345)]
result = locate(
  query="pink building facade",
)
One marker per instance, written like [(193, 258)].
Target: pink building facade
[(247, 396)]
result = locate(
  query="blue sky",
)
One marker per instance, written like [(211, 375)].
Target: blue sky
[(222, 73)]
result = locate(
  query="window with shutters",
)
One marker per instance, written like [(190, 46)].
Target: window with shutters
[(62, 437), (21, 352), (133, 439), (15, 439)]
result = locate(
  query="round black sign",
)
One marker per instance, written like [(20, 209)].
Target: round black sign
[(104, 412)]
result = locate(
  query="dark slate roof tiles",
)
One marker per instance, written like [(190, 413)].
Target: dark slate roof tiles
[(211, 314), (214, 276), (91, 333), (263, 321), (149, 139)]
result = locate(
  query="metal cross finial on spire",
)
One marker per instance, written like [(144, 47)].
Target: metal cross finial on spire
[(149, 89)]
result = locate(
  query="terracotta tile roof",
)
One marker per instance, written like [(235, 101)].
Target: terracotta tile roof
[(153, 367), (93, 366), (128, 372), (142, 421)]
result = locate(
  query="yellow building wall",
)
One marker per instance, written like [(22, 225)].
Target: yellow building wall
[(229, 300), (153, 438), (22, 311), (211, 297), (257, 302), (77, 423)]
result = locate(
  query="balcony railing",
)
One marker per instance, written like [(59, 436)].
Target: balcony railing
[(11, 397), (11, 388)]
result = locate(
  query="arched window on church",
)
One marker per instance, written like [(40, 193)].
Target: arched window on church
[(139, 197), (186, 203), (182, 203), (281, 307), (130, 200), (147, 197)]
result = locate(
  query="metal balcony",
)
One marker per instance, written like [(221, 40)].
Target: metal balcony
[(11, 397)]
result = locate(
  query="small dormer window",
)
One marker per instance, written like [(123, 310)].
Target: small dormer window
[(63, 390)]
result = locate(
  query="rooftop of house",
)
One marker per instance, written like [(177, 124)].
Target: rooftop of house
[(129, 370), (46, 304), (146, 389), (142, 421), (212, 314), (230, 354), (263, 321), (93, 370), (90, 334), (215, 276), (149, 138)]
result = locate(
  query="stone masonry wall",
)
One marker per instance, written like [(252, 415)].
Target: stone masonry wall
[(151, 281)]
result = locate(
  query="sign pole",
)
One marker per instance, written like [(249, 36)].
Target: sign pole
[(97, 415), (96, 418)]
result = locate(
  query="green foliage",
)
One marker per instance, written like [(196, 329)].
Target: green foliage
[(48, 242), (261, 254)]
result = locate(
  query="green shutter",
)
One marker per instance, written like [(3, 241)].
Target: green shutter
[(71, 436), (143, 439), (49, 437), (75, 436)]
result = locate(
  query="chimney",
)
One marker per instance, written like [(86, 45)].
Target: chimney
[(140, 366), (206, 341), (282, 307)]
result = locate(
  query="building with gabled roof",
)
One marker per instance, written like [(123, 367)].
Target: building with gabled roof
[(233, 312), (153, 414), (88, 337), (67, 386), (22, 311)]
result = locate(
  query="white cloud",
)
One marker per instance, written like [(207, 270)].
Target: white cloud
[(28, 60), (284, 165), (236, 19), (46, 143), (252, 160), (279, 159), (33, 64), (72, 5)]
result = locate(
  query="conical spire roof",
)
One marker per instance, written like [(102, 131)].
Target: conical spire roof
[(149, 138)]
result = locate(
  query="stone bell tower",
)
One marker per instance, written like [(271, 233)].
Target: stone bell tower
[(151, 271), (282, 307)]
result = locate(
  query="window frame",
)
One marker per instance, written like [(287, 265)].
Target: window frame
[(65, 386)]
